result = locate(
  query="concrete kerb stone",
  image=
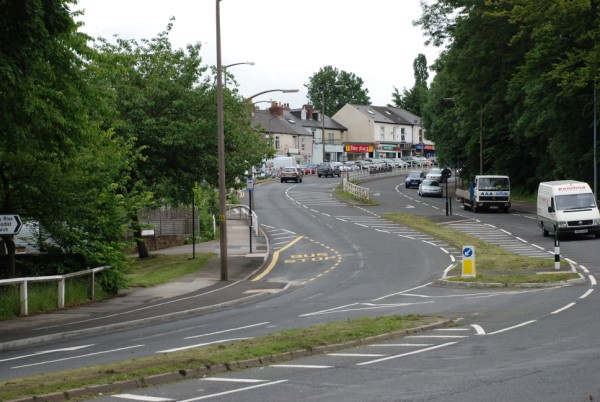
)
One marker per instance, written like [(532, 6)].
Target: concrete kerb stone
[(158, 379)]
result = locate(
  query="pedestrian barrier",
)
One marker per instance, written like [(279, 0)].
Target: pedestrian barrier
[(60, 279)]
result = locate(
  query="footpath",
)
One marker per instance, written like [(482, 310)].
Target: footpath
[(201, 291)]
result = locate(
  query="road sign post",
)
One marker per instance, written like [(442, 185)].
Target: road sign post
[(10, 225), (468, 262)]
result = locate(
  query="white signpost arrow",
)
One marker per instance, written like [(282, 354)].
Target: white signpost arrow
[(10, 225)]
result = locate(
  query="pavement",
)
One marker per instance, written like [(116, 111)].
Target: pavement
[(198, 292)]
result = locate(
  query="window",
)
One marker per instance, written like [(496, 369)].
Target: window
[(277, 142), (402, 136), (381, 132), (331, 138), (303, 143), (420, 135)]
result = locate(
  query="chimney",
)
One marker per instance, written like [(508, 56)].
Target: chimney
[(276, 109), (309, 111)]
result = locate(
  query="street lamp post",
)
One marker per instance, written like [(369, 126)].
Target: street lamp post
[(323, 123), (250, 63), (481, 139), (221, 152)]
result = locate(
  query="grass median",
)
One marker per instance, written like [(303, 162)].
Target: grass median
[(228, 354), (494, 264)]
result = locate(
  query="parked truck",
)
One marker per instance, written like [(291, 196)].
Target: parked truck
[(567, 207), (486, 192)]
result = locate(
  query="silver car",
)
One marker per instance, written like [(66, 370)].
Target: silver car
[(430, 188)]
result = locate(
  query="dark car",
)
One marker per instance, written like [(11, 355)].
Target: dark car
[(328, 169), (291, 173), (414, 178)]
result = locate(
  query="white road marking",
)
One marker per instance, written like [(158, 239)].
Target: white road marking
[(142, 398), (78, 357), (233, 391), (229, 330), (300, 366), (405, 354), (222, 379), (563, 308), (44, 352), (200, 345)]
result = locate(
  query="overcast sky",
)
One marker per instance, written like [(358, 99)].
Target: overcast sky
[(288, 41)]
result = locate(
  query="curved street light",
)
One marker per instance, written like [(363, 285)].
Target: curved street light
[(250, 63), (285, 91)]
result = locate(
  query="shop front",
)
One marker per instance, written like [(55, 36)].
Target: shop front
[(358, 151)]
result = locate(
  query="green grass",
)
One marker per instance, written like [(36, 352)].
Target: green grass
[(163, 268), (494, 264), (153, 271), (285, 341)]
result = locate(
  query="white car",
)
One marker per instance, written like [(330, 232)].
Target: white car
[(430, 188)]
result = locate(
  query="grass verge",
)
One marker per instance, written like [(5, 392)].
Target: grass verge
[(286, 341), (163, 268), (494, 264)]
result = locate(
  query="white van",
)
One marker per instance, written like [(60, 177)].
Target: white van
[(567, 207)]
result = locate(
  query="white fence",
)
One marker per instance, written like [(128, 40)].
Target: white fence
[(239, 211), (60, 279)]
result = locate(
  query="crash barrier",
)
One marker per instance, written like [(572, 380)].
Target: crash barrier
[(362, 193), (239, 211), (60, 279)]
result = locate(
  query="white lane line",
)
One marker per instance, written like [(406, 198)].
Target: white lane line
[(228, 330), (78, 357), (402, 344), (142, 398), (452, 329), (356, 354), (198, 345), (592, 279), (436, 336), (44, 352), (233, 391), (223, 379), (405, 354), (563, 308), (513, 327), (586, 294), (315, 366)]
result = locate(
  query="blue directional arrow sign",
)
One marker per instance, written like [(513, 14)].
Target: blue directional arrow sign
[(468, 261), (10, 224)]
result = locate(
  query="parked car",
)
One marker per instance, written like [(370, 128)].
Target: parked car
[(414, 178), (438, 174), (364, 164), (313, 168), (411, 160), (291, 174), (329, 169), (430, 188), (435, 174)]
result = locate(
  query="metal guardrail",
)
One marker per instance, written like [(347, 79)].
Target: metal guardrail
[(239, 211), (60, 279)]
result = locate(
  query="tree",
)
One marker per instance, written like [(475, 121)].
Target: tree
[(165, 106), (336, 88), (520, 74), (48, 170), (414, 99)]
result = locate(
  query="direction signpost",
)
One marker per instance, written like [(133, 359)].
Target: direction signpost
[(10, 225)]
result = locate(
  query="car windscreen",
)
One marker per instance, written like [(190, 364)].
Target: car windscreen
[(574, 201)]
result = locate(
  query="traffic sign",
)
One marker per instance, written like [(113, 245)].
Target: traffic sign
[(468, 261), (10, 224)]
